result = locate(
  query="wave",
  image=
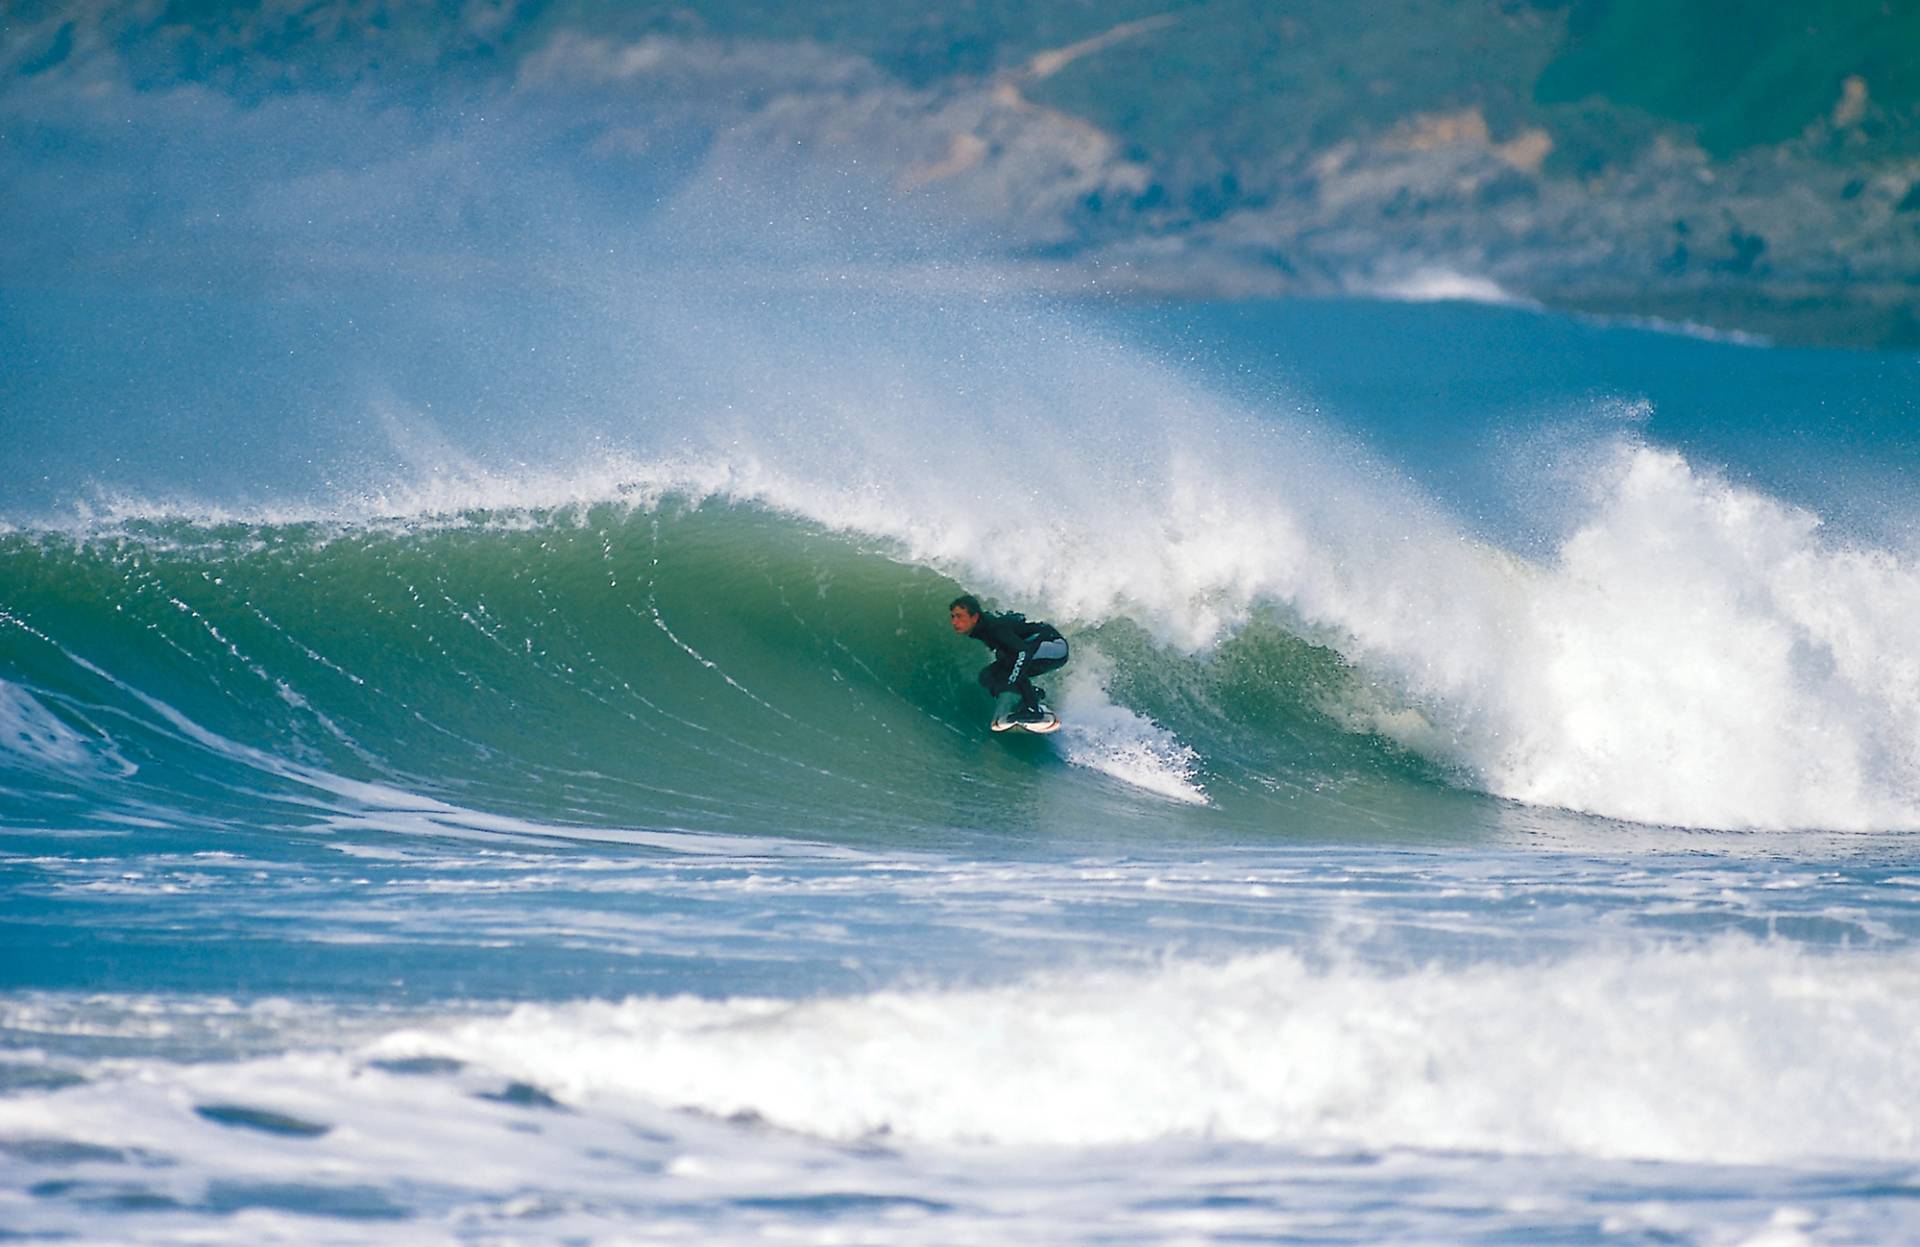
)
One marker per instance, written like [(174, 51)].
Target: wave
[(707, 668), (754, 642), (1729, 1052), (1274, 1049)]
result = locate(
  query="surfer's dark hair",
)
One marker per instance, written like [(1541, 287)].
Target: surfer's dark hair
[(967, 600)]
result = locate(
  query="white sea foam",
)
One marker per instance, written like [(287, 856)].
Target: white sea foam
[(29, 731), (33, 735), (1116, 741), (1702, 654), (1736, 1052), (1441, 285), (1179, 1080)]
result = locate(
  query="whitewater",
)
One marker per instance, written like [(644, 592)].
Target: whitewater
[(1484, 814)]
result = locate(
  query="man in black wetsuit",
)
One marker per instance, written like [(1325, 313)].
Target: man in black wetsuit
[(1022, 648)]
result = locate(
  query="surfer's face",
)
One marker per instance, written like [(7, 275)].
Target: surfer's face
[(963, 619)]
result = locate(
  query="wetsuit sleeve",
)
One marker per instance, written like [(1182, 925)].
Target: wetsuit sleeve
[(1012, 638)]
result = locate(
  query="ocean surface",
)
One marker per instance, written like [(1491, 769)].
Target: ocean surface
[(482, 771)]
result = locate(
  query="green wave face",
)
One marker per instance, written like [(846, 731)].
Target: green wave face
[(711, 668)]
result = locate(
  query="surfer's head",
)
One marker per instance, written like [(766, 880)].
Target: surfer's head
[(965, 612)]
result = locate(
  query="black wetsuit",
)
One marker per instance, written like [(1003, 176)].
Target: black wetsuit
[(1022, 648)]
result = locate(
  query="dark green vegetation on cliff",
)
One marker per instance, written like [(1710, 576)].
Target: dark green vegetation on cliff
[(1745, 76)]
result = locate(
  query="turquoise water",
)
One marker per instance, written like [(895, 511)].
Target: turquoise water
[(453, 796)]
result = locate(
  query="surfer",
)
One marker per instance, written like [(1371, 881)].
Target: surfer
[(1023, 648)]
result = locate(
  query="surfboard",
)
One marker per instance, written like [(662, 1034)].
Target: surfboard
[(1051, 723)]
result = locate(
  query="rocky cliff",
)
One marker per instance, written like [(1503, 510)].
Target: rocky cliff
[(1691, 161)]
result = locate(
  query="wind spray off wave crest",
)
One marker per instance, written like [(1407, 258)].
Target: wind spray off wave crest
[(1693, 652)]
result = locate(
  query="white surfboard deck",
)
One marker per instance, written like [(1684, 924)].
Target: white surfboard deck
[(1051, 723)]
